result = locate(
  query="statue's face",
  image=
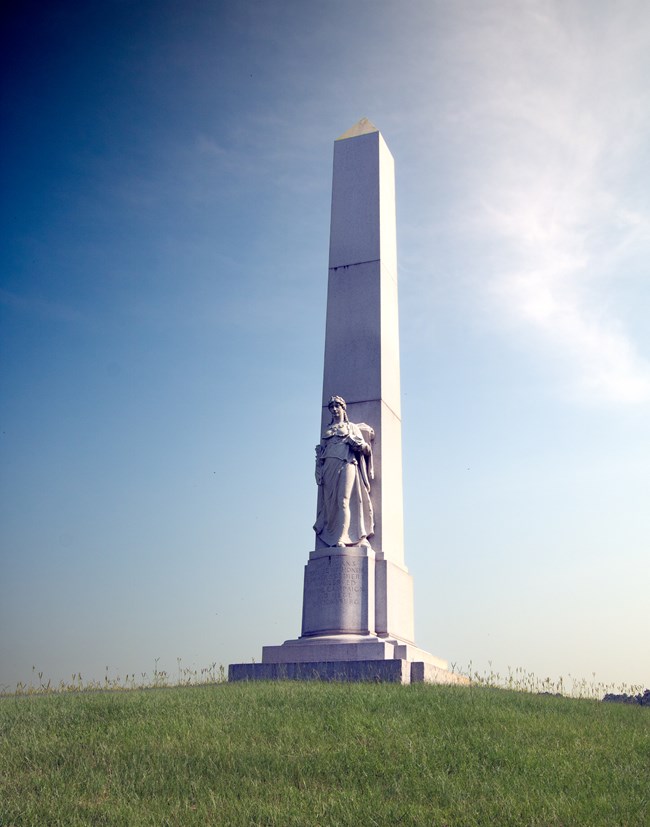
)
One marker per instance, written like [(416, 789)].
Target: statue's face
[(337, 410)]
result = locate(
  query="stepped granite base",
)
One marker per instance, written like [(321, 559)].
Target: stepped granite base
[(346, 658)]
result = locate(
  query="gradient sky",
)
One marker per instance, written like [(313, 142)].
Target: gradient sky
[(166, 193)]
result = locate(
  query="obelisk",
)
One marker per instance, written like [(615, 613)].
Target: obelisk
[(362, 330), (362, 361), (357, 620)]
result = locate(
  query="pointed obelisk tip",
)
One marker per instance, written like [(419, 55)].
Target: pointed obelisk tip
[(363, 127)]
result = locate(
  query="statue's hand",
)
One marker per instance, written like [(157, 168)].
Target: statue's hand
[(358, 444)]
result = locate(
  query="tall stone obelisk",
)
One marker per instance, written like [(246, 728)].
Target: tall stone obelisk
[(362, 359), (362, 331), (357, 621)]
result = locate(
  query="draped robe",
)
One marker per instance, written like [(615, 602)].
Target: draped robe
[(343, 472)]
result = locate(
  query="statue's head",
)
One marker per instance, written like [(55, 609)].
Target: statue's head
[(337, 404)]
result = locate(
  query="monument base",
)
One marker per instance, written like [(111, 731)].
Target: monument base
[(355, 590), (334, 648), (357, 625), (346, 658), (372, 671)]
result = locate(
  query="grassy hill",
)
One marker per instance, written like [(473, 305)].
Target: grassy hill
[(322, 754)]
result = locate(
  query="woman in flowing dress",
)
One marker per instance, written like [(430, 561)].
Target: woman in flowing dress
[(343, 473)]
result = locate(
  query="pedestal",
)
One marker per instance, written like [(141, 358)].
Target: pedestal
[(339, 592), (357, 626)]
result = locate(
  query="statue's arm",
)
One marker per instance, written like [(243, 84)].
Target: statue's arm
[(319, 464), (357, 442)]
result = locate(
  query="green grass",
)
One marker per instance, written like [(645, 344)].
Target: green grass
[(322, 754)]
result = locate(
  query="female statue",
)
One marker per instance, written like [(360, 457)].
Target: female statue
[(343, 473)]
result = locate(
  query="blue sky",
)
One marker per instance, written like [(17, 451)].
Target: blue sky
[(166, 191)]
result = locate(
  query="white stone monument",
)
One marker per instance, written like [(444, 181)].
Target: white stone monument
[(357, 617)]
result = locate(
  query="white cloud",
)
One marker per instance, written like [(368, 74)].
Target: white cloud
[(561, 107)]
